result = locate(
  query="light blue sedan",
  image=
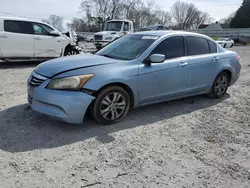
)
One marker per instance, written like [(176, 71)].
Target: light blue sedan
[(136, 70)]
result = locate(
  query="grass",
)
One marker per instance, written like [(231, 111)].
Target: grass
[(215, 38)]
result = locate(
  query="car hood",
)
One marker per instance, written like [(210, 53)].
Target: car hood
[(57, 66)]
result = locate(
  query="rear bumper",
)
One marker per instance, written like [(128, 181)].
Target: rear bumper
[(66, 106)]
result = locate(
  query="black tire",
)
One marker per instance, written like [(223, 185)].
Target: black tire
[(110, 111), (71, 51), (224, 45), (220, 86), (232, 45)]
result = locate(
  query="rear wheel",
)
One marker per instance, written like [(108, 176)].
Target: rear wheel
[(225, 45), (232, 45), (71, 51), (111, 105), (220, 86)]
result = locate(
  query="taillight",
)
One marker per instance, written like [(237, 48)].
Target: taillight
[(238, 58)]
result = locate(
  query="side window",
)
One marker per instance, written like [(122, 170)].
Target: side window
[(17, 27), (172, 47), (41, 29), (212, 46), (197, 46), (126, 26)]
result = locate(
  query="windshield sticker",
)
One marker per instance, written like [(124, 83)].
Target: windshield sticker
[(150, 37)]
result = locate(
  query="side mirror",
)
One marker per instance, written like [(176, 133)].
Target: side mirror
[(54, 34), (157, 58)]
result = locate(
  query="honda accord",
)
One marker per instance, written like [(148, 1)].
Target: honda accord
[(136, 70)]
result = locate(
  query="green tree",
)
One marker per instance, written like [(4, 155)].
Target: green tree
[(242, 16)]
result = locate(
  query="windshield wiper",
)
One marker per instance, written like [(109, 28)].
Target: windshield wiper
[(113, 57), (109, 56)]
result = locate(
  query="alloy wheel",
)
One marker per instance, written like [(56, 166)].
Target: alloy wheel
[(221, 85), (71, 53), (113, 106)]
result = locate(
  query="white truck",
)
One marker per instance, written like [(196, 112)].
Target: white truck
[(25, 39), (113, 29)]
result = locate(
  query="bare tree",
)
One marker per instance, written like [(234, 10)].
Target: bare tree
[(228, 19), (201, 19), (187, 16), (101, 10), (163, 17), (55, 21)]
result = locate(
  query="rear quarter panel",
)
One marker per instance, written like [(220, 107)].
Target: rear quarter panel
[(229, 62)]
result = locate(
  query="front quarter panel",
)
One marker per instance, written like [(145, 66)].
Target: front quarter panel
[(125, 72)]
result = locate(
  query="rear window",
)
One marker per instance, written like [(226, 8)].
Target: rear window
[(213, 47), (17, 27), (197, 46)]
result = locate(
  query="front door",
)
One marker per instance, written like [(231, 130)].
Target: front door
[(159, 81), (46, 45)]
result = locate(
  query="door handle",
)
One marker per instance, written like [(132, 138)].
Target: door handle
[(37, 38), (3, 36), (216, 59), (183, 64)]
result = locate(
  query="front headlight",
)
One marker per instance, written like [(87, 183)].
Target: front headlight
[(69, 83), (108, 38)]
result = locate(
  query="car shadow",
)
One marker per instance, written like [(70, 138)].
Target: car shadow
[(19, 64), (22, 130)]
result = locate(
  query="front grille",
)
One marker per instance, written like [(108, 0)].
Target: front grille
[(98, 37), (36, 79)]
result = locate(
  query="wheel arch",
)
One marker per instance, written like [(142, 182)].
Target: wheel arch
[(122, 85), (228, 71)]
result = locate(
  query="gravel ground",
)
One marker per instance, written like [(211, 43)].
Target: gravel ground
[(190, 143)]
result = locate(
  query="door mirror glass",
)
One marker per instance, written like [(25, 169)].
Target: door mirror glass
[(54, 34), (157, 58)]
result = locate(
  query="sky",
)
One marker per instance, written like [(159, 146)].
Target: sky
[(68, 9)]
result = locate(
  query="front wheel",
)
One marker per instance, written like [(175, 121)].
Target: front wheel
[(232, 45), (220, 86), (111, 105), (225, 45), (71, 51)]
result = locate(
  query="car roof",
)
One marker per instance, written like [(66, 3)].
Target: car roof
[(169, 32), (20, 19)]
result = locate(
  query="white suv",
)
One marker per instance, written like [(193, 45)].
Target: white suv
[(22, 38)]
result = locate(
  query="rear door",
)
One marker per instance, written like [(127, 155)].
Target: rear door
[(46, 45), (17, 40), (203, 60)]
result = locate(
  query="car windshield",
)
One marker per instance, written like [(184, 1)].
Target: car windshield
[(128, 47), (113, 26), (222, 39)]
